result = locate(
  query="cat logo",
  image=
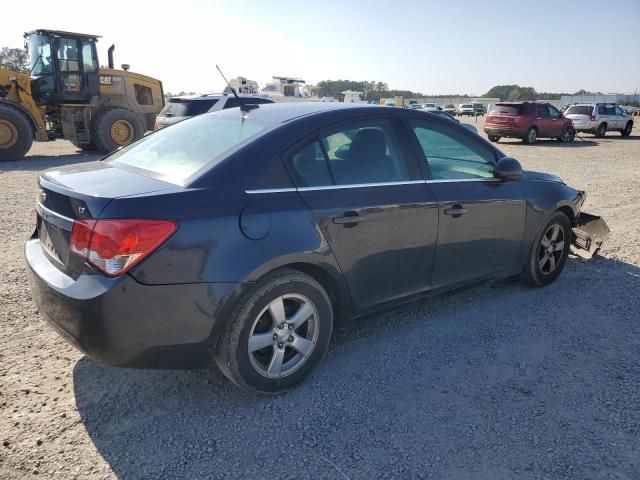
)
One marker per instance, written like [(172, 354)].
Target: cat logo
[(110, 80)]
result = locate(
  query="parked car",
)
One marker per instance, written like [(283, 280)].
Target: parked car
[(599, 118), (528, 121), (450, 108), (430, 107), (245, 239), (180, 108), (465, 109), (479, 109), (447, 115)]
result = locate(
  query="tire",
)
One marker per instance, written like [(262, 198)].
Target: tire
[(114, 128), (494, 138), (627, 129), (16, 134), (531, 136), (252, 318), (87, 147), (537, 271), (568, 135), (601, 131)]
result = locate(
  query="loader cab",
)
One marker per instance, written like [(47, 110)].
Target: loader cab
[(64, 67)]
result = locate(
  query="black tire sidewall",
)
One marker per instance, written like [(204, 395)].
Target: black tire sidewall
[(25, 134), (537, 277), (237, 365), (101, 131)]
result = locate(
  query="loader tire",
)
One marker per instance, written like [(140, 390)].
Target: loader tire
[(16, 134), (87, 147), (115, 127)]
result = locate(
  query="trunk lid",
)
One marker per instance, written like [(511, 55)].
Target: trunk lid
[(81, 192)]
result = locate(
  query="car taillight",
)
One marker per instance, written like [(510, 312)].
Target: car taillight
[(114, 246), (592, 118), (155, 125)]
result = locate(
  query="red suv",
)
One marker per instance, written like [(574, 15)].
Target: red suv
[(528, 121)]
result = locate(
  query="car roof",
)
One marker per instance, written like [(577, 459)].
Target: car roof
[(205, 96), (284, 112)]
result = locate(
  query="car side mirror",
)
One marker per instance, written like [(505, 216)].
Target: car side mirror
[(508, 168)]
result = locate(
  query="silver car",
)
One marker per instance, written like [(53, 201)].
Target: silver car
[(180, 108), (599, 118)]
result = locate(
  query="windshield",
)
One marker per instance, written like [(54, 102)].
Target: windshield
[(580, 110), (467, 106), (40, 55), (175, 153)]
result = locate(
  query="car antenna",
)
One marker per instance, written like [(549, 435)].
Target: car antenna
[(244, 108)]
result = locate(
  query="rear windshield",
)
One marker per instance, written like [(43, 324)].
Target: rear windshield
[(512, 109), (177, 152), (579, 110), (467, 105), (177, 107)]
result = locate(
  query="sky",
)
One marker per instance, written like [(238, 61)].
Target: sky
[(433, 47)]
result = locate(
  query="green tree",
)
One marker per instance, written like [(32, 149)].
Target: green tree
[(15, 59)]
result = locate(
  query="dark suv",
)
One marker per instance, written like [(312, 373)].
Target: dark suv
[(528, 121)]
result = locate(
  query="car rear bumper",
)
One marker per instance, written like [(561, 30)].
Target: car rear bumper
[(119, 321), (503, 132)]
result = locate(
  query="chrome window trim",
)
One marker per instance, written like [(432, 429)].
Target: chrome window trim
[(270, 190), (364, 185), (54, 217)]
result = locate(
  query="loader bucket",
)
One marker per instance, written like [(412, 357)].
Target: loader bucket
[(589, 234)]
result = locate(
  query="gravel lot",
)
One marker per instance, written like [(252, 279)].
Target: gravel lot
[(497, 382)]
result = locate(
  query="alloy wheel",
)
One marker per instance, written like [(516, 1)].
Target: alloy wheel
[(551, 249), (283, 336), (531, 136)]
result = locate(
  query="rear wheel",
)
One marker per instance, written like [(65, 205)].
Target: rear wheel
[(531, 136), (549, 251), (627, 129), (601, 131), (114, 128), (277, 334), (16, 134), (494, 138)]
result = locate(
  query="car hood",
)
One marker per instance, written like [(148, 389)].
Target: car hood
[(541, 177)]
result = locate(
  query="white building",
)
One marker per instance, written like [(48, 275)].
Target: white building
[(286, 87), (351, 96), (242, 85)]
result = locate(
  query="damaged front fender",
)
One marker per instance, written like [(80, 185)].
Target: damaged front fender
[(589, 233)]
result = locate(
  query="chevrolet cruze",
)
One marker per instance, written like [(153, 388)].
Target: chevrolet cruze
[(242, 239)]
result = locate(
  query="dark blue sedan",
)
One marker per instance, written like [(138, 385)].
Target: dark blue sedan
[(243, 239)]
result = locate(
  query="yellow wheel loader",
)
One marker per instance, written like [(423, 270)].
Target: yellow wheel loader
[(67, 95)]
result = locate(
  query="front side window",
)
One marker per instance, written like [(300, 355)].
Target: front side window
[(619, 111), (362, 153), (553, 111), (450, 156)]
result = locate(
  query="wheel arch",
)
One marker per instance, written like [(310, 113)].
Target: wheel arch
[(24, 112)]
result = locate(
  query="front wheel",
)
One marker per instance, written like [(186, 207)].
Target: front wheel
[(568, 135), (494, 138), (277, 334), (16, 134), (627, 129), (549, 251)]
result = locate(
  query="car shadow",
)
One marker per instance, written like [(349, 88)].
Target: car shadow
[(42, 162), (391, 394)]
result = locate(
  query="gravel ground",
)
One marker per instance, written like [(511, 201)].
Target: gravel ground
[(497, 382)]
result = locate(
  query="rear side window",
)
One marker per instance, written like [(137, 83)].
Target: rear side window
[(362, 153), (451, 156), (542, 111), (188, 107), (579, 110), (511, 109), (174, 154)]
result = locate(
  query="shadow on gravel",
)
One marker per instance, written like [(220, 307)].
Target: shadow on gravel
[(551, 143), (500, 381), (40, 162)]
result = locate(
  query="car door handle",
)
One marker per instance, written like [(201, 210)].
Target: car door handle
[(348, 218), (455, 211)]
